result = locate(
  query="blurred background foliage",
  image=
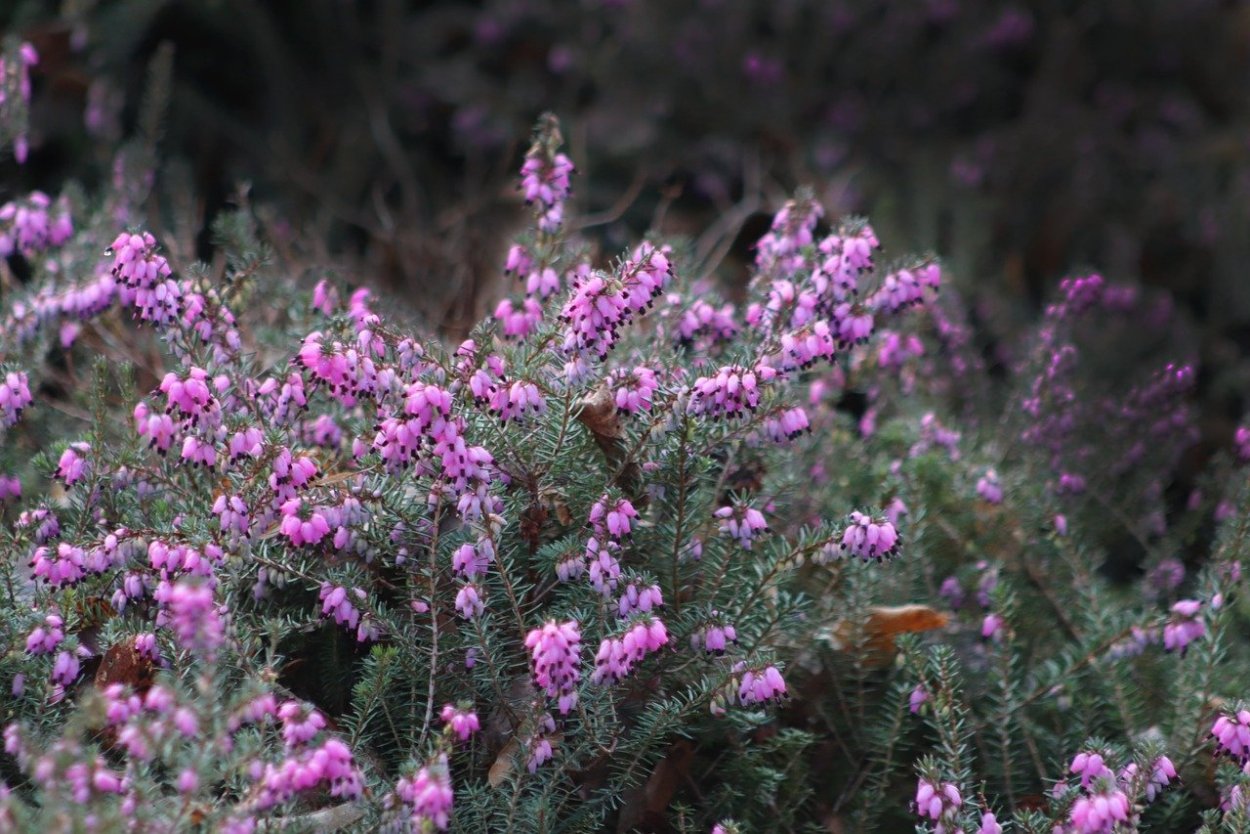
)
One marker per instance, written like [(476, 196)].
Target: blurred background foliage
[(1020, 141)]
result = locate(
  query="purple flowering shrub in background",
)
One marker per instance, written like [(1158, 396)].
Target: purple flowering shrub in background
[(631, 556)]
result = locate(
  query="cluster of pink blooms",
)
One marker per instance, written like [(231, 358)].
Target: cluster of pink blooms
[(617, 655), (870, 539), (147, 278), (336, 602), (905, 288), (73, 465), (1184, 627), (462, 722), (701, 319), (10, 488), (758, 686), (1232, 735), (1100, 810), (636, 598), (329, 765), (988, 488), (144, 722), (60, 567), (65, 769), (32, 225), (555, 649), (634, 390), (780, 252), (545, 183), (14, 396), (610, 521), (742, 522), (428, 794), (302, 527), (714, 638), (732, 392), (194, 616), (45, 638), (1162, 772), (786, 425), (1241, 439), (516, 400), (15, 94), (602, 304), (939, 802), (539, 744)]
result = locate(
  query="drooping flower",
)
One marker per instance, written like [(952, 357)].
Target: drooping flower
[(555, 651), (870, 539)]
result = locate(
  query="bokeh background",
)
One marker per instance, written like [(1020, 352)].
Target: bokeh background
[(1022, 142)]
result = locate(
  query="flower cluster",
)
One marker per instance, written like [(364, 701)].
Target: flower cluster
[(555, 650), (33, 225), (939, 802), (870, 539)]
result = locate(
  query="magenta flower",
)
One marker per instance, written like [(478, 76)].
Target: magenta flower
[(733, 391), (1232, 735), (939, 803), (1090, 766), (742, 522), (554, 649), (758, 686), (462, 722), (1184, 627), (988, 488), (1100, 812), (300, 530), (870, 539), (194, 617), (300, 723), (45, 638), (634, 389), (428, 793), (73, 465), (714, 638)]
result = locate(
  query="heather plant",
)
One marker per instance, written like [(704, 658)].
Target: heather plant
[(630, 556)]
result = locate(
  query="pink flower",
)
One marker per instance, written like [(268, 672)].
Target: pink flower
[(300, 530), (73, 465), (1184, 627), (462, 722), (554, 649), (1232, 735), (14, 396), (1099, 812), (194, 616), (714, 638), (870, 539), (988, 488), (938, 802), (428, 793), (733, 391), (1090, 766), (639, 599), (469, 601), (758, 686), (634, 389), (742, 522), (613, 517)]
